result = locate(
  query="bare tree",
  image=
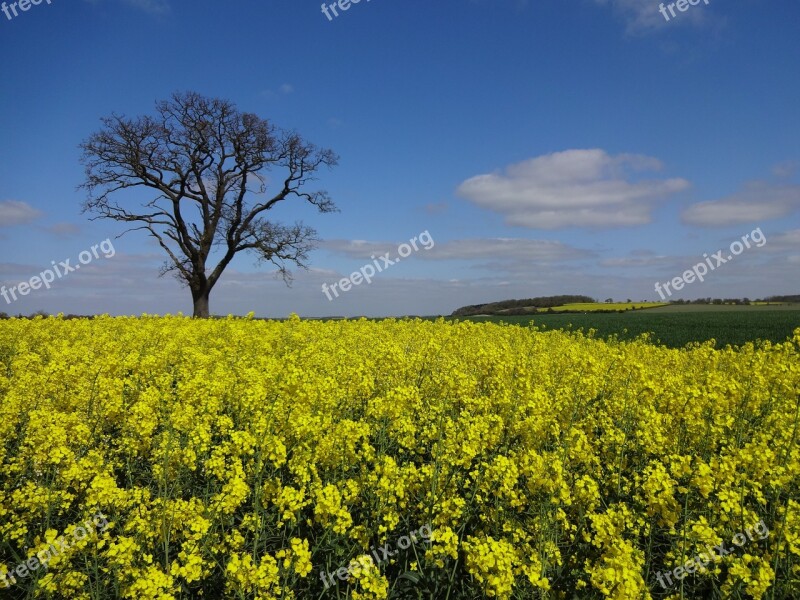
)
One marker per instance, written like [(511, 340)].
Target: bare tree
[(205, 160)]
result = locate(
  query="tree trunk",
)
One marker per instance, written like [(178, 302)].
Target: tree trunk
[(200, 299)]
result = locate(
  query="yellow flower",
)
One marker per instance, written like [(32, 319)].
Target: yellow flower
[(245, 456)]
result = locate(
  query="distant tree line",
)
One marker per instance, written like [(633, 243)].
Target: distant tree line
[(509, 307), (717, 301), (40, 313), (529, 306), (738, 301)]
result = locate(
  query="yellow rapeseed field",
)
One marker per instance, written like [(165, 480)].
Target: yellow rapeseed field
[(244, 459)]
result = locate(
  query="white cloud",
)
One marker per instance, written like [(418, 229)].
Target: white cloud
[(757, 201), (14, 212), (64, 230), (129, 284), (436, 208), (155, 7), (516, 249), (786, 169), (790, 238), (788, 241), (637, 258), (643, 16), (574, 188), (284, 89), (502, 249)]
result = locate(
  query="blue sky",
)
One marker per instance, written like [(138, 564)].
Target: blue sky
[(550, 147)]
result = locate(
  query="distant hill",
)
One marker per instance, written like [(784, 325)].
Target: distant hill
[(508, 307), (530, 306)]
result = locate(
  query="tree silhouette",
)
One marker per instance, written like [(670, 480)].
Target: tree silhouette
[(207, 162)]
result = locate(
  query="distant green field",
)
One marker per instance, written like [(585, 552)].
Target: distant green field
[(675, 326)]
